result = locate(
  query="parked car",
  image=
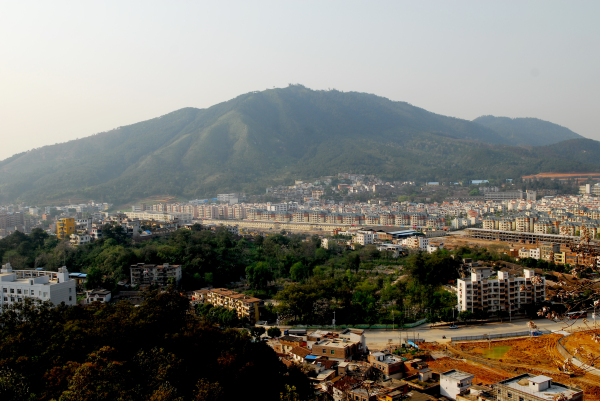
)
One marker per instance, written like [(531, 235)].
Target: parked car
[(453, 326)]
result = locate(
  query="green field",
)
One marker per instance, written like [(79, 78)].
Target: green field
[(496, 352)]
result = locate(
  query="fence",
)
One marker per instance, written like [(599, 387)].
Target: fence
[(502, 335), (362, 326)]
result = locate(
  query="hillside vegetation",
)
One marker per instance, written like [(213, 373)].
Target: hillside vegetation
[(268, 137), (527, 131)]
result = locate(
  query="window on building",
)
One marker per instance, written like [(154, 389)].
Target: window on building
[(18, 290), (45, 295), (332, 352), (521, 399), (5, 290), (12, 290), (71, 298), (70, 289), (509, 395), (324, 351)]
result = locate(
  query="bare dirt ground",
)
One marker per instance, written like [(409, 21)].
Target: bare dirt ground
[(537, 355), (455, 241), (583, 342), (483, 375)]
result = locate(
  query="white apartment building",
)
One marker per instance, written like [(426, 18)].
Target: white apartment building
[(416, 242), (277, 207), (16, 285), (183, 218), (80, 239), (454, 382), (228, 198), (523, 253), (364, 237), (534, 253), (493, 291)]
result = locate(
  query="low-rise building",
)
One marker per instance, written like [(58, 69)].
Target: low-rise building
[(244, 305), (528, 387), (454, 382), (99, 295), (163, 275), (80, 239), (389, 365), (335, 348), (16, 285)]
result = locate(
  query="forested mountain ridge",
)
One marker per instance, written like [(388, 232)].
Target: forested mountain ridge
[(261, 138), (527, 131)]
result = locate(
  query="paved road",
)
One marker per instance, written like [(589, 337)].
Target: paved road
[(377, 339)]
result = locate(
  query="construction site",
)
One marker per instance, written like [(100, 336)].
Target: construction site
[(493, 361)]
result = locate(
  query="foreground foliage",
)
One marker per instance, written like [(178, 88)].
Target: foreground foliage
[(157, 351)]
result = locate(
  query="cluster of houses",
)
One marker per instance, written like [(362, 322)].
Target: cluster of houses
[(341, 367), (395, 241)]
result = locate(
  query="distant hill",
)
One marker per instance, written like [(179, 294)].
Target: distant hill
[(527, 131), (272, 137)]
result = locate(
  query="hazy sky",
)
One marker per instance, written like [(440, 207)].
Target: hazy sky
[(69, 69)]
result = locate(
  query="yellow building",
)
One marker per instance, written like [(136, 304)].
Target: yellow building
[(65, 227), (244, 305)]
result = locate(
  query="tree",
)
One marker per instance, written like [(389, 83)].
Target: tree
[(274, 332), (259, 275), (257, 331), (299, 272), (465, 316), (353, 261)]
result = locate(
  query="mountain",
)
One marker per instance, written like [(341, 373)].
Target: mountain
[(527, 131), (272, 137)]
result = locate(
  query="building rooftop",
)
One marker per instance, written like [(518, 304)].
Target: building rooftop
[(458, 375), (333, 342), (522, 383)]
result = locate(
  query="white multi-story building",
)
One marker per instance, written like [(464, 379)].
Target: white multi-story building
[(416, 242), (16, 285), (454, 382), (228, 198), (364, 237), (489, 292), (534, 253), (183, 218), (80, 239), (277, 207)]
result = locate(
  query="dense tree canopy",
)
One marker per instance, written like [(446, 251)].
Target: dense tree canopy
[(117, 351)]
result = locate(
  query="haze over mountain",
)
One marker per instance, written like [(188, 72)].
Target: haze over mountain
[(527, 131), (275, 136)]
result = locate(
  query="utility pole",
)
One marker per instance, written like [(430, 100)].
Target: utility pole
[(333, 320)]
